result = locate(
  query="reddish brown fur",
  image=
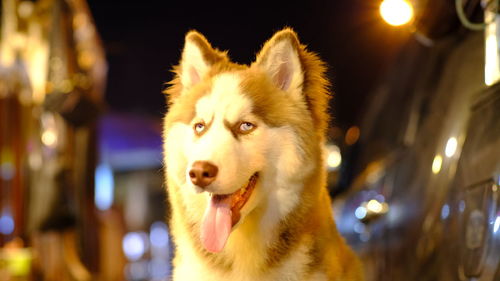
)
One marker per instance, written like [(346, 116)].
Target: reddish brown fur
[(315, 88)]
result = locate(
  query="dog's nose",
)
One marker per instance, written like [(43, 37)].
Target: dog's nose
[(203, 173)]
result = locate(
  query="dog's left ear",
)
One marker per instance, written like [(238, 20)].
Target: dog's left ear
[(280, 59)]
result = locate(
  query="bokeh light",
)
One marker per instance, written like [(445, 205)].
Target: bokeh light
[(445, 211), (360, 212), (496, 225), (159, 235), (6, 224), (374, 206), (436, 164), (104, 187), (49, 137), (451, 147), (396, 12), (334, 158), (134, 245), (352, 135)]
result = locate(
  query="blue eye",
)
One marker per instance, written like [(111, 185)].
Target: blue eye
[(246, 127), (199, 127)]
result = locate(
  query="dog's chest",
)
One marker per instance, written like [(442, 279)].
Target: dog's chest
[(294, 268), (276, 275)]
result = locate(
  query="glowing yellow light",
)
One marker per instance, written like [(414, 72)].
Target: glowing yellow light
[(491, 63), (334, 158), (49, 138), (17, 261), (38, 53), (436, 164), (396, 12), (451, 147), (374, 206)]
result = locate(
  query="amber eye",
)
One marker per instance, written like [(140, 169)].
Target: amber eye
[(246, 127), (199, 127)]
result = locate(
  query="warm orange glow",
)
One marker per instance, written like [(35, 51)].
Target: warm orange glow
[(352, 135), (396, 12)]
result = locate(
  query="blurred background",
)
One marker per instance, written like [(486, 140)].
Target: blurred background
[(413, 150)]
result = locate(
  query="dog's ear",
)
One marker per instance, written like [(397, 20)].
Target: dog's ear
[(198, 57), (280, 59)]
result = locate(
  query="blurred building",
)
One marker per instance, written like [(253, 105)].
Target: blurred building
[(52, 79), (130, 198)]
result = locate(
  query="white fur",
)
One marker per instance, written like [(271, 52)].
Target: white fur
[(226, 99), (291, 270), (194, 66), (174, 148), (218, 146), (284, 175), (283, 65)]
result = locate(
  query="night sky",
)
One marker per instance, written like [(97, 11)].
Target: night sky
[(143, 40)]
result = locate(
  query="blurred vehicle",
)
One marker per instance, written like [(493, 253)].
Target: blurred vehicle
[(424, 204)]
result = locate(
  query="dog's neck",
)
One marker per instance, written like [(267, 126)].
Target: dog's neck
[(254, 245)]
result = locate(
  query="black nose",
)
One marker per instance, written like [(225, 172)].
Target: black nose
[(203, 173)]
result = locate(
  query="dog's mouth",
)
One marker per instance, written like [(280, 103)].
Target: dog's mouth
[(222, 213)]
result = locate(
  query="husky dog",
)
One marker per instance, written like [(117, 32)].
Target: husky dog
[(246, 178)]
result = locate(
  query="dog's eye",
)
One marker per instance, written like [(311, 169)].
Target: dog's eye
[(246, 127), (199, 127)]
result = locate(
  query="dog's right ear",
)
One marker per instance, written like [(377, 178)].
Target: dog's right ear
[(198, 56), (280, 59)]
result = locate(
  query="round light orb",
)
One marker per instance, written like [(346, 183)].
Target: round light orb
[(396, 12)]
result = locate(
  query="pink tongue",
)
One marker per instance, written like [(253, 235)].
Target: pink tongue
[(216, 224)]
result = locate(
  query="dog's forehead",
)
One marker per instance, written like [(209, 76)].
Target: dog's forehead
[(225, 99)]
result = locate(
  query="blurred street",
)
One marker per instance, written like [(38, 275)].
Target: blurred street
[(413, 148)]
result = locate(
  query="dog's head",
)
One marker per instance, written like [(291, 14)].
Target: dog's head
[(243, 138)]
